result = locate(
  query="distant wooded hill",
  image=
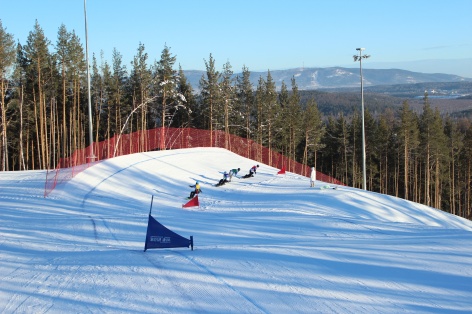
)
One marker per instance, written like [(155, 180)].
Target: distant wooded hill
[(338, 77), (347, 102), (338, 89)]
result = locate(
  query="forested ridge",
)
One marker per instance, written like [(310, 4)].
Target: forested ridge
[(420, 155)]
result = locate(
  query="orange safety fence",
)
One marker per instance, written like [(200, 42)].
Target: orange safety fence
[(171, 138)]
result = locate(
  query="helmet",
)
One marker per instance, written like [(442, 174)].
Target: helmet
[(257, 166), (196, 182), (239, 169)]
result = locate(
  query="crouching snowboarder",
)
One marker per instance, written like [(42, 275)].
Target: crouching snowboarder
[(233, 172), (196, 190), (224, 180), (252, 172)]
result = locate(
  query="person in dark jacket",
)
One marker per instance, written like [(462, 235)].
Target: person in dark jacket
[(224, 180), (252, 172)]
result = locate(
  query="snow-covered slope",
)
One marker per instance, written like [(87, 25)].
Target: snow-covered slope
[(267, 244)]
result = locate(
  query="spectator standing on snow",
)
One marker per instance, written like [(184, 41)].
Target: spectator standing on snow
[(233, 172), (196, 190), (312, 177)]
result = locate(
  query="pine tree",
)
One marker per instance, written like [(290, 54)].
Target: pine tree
[(284, 132), (268, 112), (166, 88), (273, 112), (409, 141), (344, 148), (119, 84), (210, 94), (19, 76), (7, 58), (294, 121), (260, 116), (426, 122), (439, 155), (228, 98), (313, 130), (78, 67), (107, 107), (333, 155), (184, 117), (70, 66), (466, 158), (384, 147), (96, 93), (245, 105), (355, 150), (370, 153), (101, 83), (433, 144), (140, 90), (38, 56), (63, 58), (455, 141)]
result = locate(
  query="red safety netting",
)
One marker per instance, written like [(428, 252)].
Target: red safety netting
[(171, 138)]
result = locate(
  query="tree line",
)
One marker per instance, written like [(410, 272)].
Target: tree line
[(424, 157)]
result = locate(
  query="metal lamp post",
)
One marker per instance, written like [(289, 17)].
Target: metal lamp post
[(359, 58), (92, 156)]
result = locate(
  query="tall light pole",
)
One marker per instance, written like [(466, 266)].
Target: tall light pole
[(92, 156), (359, 58)]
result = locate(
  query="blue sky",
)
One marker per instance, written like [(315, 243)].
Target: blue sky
[(263, 35)]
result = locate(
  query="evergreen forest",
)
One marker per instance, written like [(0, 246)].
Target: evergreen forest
[(425, 156)]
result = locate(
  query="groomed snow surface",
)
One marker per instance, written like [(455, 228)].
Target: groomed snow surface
[(267, 244)]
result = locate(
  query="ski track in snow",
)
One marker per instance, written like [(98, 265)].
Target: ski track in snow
[(231, 301), (267, 244)]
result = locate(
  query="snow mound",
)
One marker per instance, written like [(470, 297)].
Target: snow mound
[(266, 244)]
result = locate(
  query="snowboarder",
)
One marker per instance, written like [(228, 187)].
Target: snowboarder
[(252, 172), (327, 186), (233, 172), (312, 177), (196, 190), (224, 180)]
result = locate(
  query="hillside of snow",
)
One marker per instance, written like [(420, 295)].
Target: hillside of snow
[(266, 244)]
